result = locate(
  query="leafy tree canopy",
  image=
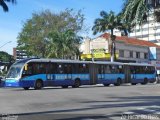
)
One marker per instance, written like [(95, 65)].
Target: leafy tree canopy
[(137, 11), (110, 21), (5, 57), (49, 34)]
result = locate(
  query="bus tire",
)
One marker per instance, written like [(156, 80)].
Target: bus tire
[(64, 86), (38, 85), (106, 84), (77, 83), (118, 83), (134, 83), (26, 88), (153, 81), (145, 81)]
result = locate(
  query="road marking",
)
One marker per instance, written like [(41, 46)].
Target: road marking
[(129, 112), (140, 108), (157, 112), (155, 106)]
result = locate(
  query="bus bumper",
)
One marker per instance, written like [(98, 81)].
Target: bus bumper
[(11, 83)]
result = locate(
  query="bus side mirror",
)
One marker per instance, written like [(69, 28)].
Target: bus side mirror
[(26, 67)]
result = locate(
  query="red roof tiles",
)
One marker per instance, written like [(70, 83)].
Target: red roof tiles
[(132, 41)]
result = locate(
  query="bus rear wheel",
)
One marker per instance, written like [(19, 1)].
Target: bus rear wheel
[(106, 84), (26, 88), (77, 83), (38, 85), (145, 81), (118, 83), (64, 86), (133, 83)]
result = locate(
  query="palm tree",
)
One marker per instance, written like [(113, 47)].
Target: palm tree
[(64, 45), (4, 5), (109, 22), (136, 11)]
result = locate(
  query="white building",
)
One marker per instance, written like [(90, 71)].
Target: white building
[(149, 31), (128, 49)]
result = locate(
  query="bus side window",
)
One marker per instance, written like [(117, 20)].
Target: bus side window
[(152, 70), (117, 69), (41, 68), (113, 69), (52, 68), (120, 69), (67, 68), (83, 68), (74, 68), (100, 69), (60, 69), (29, 69), (132, 70), (107, 69), (137, 69)]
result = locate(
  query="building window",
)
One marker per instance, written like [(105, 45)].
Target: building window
[(137, 54), (121, 53), (145, 55), (131, 54)]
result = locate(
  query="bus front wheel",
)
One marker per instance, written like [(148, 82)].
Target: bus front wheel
[(38, 85)]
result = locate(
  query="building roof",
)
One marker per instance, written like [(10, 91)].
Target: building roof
[(132, 41)]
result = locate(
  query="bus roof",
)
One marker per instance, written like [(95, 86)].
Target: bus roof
[(57, 60), (138, 64), (72, 61), (78, 61), (108, 62)]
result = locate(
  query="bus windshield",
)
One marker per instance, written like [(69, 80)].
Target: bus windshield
[(15, 70)]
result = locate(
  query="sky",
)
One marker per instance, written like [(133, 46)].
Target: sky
[(11, 23)]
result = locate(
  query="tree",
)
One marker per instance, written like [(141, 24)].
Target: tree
[(136, 11), (6, 60), (5, 57), (109, 22), (4, 5), (49, 34), (65, 44)]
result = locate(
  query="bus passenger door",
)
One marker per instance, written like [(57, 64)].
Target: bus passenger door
[(127, 73), (50, 70), (68, 73), (49, 79), (93, 73), (101, 74)]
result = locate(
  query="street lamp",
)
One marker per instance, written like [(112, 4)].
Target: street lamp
[(5, 44)]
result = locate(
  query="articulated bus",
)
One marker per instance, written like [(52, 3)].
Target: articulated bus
[(39, 73)]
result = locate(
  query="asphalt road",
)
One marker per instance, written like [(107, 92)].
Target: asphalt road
[(84, 103)]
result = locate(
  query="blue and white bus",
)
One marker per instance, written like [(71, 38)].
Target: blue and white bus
[(119, 73), (139, 73), (110, 73), (39, 73)]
